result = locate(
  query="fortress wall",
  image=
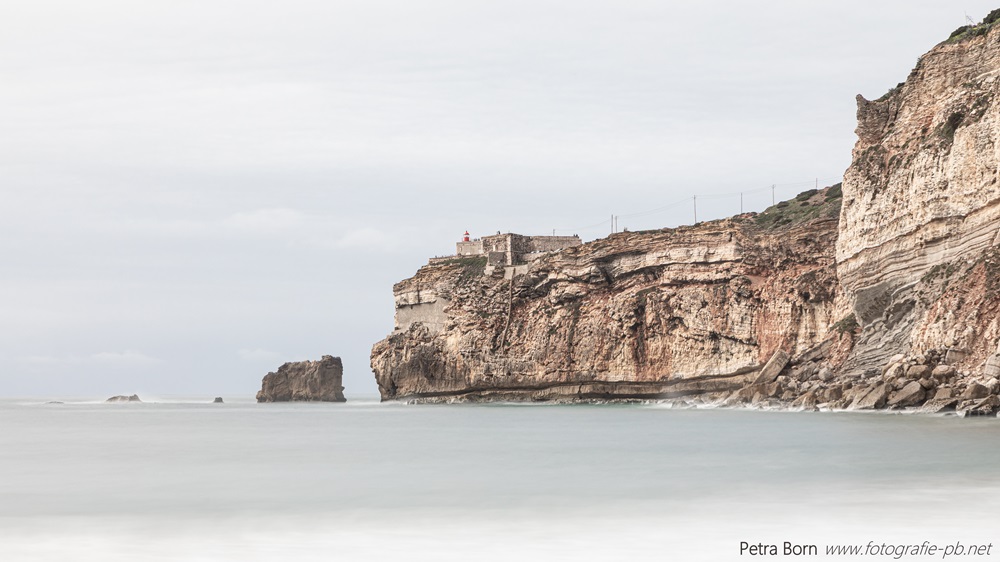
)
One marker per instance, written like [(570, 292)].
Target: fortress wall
[(552, 243)]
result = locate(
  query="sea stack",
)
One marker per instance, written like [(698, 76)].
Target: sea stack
[(306, 381), (123, 398)]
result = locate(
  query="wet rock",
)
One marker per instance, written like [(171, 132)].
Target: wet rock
[(805, 401), (744, 395), (985, 407), (833, 394), (911, 395), (938, 405), (123, 398)]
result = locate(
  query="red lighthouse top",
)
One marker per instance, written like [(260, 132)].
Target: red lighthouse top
[(466, 236)]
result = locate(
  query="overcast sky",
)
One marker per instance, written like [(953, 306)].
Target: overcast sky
[(196, 192)]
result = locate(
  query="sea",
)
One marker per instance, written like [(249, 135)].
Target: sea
[(180, 478)]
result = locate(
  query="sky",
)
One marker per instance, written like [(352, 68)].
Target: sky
[(195, 192)]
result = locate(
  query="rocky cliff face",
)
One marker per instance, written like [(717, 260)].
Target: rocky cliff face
[(636, 315), (922, 208), (314, 381), (888, 297)]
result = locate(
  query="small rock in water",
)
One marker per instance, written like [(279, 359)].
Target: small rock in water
[(218, 400), (123, 398)]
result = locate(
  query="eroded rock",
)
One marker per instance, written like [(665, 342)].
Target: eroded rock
[(123, 398), (910, 395), (310, 381)]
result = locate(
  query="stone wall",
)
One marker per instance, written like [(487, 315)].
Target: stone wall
[(511, 249), (471, 248), (552, 243)]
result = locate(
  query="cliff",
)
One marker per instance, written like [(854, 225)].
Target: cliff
[(920, 221), (636, 315), (313, 381), (880, 293)]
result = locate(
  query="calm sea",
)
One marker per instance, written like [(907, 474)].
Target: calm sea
[(188, 480)]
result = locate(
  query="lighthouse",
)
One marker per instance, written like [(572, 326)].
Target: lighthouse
[(465, 237)]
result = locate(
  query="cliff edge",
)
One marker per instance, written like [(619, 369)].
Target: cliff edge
[(920, 223), (880, 293), (637, 315)]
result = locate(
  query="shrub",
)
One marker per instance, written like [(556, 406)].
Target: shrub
[(959, 31), (848, 324)]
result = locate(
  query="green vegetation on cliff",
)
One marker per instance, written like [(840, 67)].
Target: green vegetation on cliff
[(969, 31), (806, 206)]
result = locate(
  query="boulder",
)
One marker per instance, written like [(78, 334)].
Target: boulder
[(928, 384), (943, 392), (993, 385), (986, 407), (805, 401), (943, 372), (954, 355), (806, 372), (123, 398), (773, 367), (975, 391), (742, 396), (218, 400), (918, 372), (825, 374), (313, 381), (992, 367), (873, 399), (833, 393), (893, 370), (938, 405), (910, 395)]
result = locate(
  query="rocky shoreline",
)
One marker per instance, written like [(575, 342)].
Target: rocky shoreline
[(923, 383)]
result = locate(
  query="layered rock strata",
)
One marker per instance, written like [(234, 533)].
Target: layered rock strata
[(310, 381), (922, 203), (665, 313), (888, 298)]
